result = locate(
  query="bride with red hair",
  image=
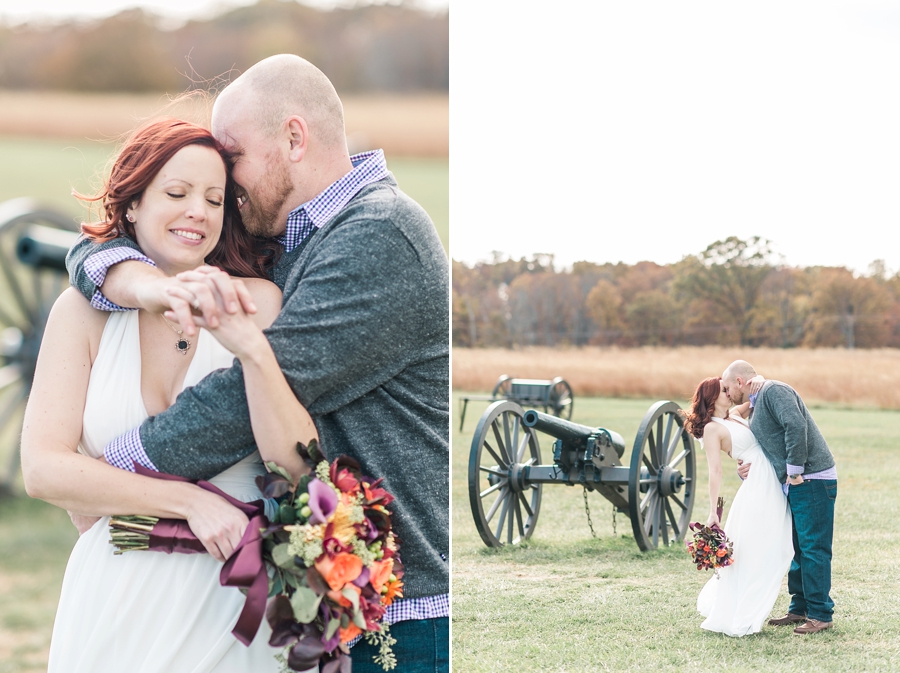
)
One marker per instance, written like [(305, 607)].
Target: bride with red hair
[(738, 602)]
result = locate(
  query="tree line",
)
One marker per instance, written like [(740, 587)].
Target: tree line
[(361, 49), (732, 293)]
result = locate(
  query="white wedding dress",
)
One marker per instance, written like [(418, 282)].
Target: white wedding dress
[(149, 612), (759, 524)]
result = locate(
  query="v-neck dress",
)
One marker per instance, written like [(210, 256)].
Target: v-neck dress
[(149, 612), (759, 525)]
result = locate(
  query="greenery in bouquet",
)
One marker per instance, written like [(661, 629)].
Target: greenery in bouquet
[(335, 563), (710, 548)]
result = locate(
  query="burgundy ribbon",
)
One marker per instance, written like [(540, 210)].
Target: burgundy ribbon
[(244, 568)]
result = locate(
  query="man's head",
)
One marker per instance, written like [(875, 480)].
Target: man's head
[(735, 380), (284, 122)]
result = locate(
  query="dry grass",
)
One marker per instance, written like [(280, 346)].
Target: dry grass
[(859, 378), (416, 125)]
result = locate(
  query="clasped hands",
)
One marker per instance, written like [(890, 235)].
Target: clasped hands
[(207, 297)]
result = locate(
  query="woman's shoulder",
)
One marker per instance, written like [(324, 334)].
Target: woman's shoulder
[(72, 305), (267, 297), (714, 428), (73, 314)]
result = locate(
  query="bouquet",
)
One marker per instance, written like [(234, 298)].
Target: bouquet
[(331, 554), (711, 549)]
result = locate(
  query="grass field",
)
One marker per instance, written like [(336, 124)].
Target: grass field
[(567, 602), (37, 539), (852, 378), (49, 168)]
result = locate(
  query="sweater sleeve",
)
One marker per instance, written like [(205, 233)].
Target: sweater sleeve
[(81, 276), (785, 407), (351, 324)]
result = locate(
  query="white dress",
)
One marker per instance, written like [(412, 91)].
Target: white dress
[(148, 612), (759, 524)]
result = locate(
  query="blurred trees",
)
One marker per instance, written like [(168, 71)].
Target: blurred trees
[(369, 48), (732, 293)]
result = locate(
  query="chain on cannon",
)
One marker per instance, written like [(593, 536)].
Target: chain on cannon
[(506, 477)]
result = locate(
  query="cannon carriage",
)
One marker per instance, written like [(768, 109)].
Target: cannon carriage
[(34, 241), (506, 477), (552, 395)]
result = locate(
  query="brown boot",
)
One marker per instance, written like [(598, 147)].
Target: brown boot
[(788, 620), (812, 626)]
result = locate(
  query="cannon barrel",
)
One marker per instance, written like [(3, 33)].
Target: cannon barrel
[(45, 247), (569, 431)]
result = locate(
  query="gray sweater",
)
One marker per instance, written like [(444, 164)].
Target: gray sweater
[(787, 432), (363, 340)]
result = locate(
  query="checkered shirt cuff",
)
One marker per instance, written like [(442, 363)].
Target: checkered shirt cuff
[(126, 450), (407, 609), (96, 267)]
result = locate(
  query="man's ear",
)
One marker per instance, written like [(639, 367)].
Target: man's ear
[(298, 136)]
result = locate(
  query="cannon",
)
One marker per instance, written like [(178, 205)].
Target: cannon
[(506, 477), (552, 395), (34, 241)]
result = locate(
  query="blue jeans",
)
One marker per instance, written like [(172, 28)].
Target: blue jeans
[(423, 646), (809, 579)]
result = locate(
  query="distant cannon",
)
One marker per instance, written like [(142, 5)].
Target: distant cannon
[(553, 396), (33, 245), (506, 476)]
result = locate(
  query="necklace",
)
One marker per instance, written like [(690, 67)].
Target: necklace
[(182, 345)]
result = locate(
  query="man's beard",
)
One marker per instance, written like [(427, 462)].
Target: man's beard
[(262, 211)]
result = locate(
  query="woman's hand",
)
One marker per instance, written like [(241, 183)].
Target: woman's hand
[(756, 383), (712, 520), (218, 524), (202, 297), (235, 330)]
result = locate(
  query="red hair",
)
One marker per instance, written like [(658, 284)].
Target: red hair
[(143, 155), (702, 406)]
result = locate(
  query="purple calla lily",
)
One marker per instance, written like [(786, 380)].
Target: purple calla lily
[(322, 501)]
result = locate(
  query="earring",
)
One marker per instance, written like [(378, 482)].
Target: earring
[(129, 217)]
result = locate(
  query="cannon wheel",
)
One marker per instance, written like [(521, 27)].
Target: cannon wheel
[(502, 388), (662, 478), (560, 398), (26, 296), (505, 508)]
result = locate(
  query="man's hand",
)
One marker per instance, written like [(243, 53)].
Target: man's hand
[(756, 384), (795, 481), (196, 293), (218, 524), (83, 523), (743, 469)]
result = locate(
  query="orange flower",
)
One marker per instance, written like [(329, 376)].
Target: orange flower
[(394, 590), (342, 600), (350, 633), (340, 570), (380, 572)]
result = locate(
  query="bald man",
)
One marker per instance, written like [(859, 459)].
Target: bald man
[(803, 462), (362, 336)]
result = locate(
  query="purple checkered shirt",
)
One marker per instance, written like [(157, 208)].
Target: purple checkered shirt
[(124, 451)]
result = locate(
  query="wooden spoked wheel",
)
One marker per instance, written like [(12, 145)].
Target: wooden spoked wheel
[(26, 295), (502, 388), (560, 399), (662, 478), (505, 507)]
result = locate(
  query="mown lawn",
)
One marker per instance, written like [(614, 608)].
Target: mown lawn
[(567, 602)]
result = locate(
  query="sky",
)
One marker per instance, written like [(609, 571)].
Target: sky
[(178, 10), (629, 131)]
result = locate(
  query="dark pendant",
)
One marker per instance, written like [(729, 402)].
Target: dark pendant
[(182, 346)]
